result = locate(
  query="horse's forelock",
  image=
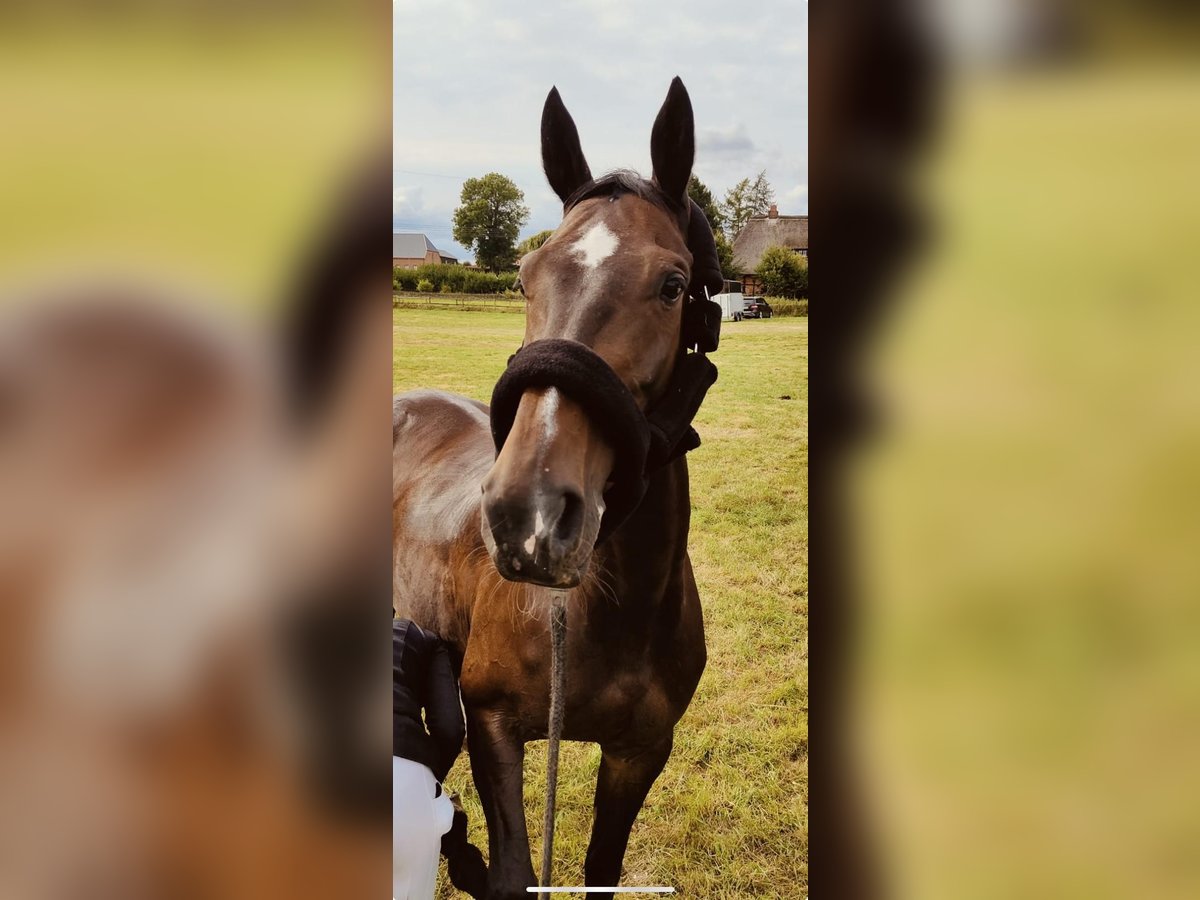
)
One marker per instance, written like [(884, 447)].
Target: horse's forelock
[(623, 181)]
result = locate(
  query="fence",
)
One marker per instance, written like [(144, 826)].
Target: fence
[(464, 302), (780, 306)]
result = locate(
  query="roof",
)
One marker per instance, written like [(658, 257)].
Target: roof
[(761, 232), (414, 246)]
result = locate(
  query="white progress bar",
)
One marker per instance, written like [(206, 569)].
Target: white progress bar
[(600, 890)]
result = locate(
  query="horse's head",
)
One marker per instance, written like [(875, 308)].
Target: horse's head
[(615, 278)]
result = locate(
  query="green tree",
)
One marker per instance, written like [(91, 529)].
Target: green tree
[(699, 192), (745, 199), (784, 272), (725, 254), (532, 242), (762, 195), (489, 218)]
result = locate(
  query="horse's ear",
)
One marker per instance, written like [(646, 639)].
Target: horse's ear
[(562, 157), (673, 142)]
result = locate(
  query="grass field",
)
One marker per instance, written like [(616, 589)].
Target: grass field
[(728, 817)]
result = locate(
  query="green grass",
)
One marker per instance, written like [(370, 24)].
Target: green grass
[(728, 817)]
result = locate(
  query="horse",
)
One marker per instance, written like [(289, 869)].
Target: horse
[(491, 513)]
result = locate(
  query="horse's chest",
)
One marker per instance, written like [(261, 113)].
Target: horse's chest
[(620, 684), (616, 692), (603, 704)]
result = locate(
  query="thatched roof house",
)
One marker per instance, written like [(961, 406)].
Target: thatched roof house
[(761, 232)]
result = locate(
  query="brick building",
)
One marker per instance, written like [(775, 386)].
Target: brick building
[(412, 250)]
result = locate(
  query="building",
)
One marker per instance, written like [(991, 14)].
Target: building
[(761, 232), (412, 250)]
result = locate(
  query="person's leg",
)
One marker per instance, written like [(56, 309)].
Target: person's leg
[(443, 818), (417, 829), (443, 813)]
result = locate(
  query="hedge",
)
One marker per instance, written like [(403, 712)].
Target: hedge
[(448, 278), (786, 306)]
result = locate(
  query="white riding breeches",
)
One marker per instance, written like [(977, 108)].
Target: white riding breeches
[(419, 819)]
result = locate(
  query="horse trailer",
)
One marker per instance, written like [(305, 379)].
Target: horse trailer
[(731, 301)]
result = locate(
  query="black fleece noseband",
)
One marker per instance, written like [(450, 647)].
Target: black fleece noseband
[(641, 443)]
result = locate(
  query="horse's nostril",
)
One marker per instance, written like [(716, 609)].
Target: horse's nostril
[(570, 522)]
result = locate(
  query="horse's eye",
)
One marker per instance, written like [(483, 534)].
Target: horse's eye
[(672, 289)]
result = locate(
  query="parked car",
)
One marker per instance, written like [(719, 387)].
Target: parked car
[(755, 308)]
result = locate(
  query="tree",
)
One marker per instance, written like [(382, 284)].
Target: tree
[(725, 255), (745, 199), (784, 273), (699, 192), (489, 219), (533, 242), (762, 195)]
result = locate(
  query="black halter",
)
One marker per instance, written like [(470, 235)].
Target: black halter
[(642, 443)]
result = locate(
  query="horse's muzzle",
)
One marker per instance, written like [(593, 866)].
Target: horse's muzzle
[(536, 538)]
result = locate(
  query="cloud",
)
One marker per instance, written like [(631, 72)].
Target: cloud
[(414, 212), (795, 201), (798, 193), (510, 30), (725, 144), (406, 201)]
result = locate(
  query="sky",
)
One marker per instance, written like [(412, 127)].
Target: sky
[(470, 78)]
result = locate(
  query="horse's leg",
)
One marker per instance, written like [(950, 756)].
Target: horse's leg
[(626, 775), (497, 764)]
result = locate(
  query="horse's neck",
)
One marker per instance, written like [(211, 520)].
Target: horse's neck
[(641, 561)]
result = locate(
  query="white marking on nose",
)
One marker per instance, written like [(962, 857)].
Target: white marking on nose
[(597, 244), (549, 410)]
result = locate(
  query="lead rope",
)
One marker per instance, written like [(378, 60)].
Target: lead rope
[(558, 688)]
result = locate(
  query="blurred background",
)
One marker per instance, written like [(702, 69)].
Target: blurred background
[(198, 140), (194, 552), (1025, 665)]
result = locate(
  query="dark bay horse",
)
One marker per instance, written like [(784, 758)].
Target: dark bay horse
[(480, 538)]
